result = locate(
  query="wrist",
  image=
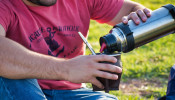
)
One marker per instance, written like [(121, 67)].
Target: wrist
[(52, 69), (59, 69)]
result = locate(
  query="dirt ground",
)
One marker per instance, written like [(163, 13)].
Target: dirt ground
[(139, 87)]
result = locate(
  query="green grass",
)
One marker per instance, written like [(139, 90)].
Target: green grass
[(149, 63)]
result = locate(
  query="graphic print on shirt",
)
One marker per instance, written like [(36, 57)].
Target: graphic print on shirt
[(54, 47), (53, 44)]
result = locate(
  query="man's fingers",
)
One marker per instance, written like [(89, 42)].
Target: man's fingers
[(134, 17), (125, 19), (109, 67), (147, 12), (106, 75), (142, 15), (97, 83), (107, 58)]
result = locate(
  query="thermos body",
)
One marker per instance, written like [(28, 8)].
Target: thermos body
[(161, 23), (124, 38)]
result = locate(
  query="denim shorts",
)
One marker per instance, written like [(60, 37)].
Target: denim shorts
[(28, 89)]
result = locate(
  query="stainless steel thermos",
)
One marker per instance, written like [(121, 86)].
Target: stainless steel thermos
[(126, 37)]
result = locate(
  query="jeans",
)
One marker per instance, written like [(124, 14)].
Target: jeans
[(170, 95), (28, 89), (171, 85)]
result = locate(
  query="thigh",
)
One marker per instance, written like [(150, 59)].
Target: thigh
[(79, 94), (25, 89), (88, 94)]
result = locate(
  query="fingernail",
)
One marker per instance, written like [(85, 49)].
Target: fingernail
[(115, 76), (148, 14), (115, 60), (137, 21), (125, 21), (120, 70), (144, 18)]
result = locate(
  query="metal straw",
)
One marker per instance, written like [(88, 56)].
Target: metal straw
[(86, 42)]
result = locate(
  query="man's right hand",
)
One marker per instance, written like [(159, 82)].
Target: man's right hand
[(85, 69)]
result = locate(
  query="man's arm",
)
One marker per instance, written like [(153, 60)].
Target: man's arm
[(17, 62), (131, 10)]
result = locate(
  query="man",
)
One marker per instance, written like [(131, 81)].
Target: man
[(39, 40)]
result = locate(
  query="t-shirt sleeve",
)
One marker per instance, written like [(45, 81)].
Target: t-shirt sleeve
[(104, 10), (5, 16)]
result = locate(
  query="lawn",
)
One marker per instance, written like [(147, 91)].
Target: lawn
[(145, 69)]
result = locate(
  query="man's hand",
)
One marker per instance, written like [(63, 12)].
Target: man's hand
[(136, 16), (85, 69)]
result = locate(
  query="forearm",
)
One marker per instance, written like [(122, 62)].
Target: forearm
[(17, 62)]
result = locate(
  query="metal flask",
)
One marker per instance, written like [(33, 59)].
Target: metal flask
[(124, 38)]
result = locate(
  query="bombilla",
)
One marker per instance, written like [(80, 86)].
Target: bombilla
[(86, 42)]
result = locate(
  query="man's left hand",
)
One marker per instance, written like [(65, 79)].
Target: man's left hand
[(137, 16)]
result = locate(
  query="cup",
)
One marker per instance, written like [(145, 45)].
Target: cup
[(107, 83)]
